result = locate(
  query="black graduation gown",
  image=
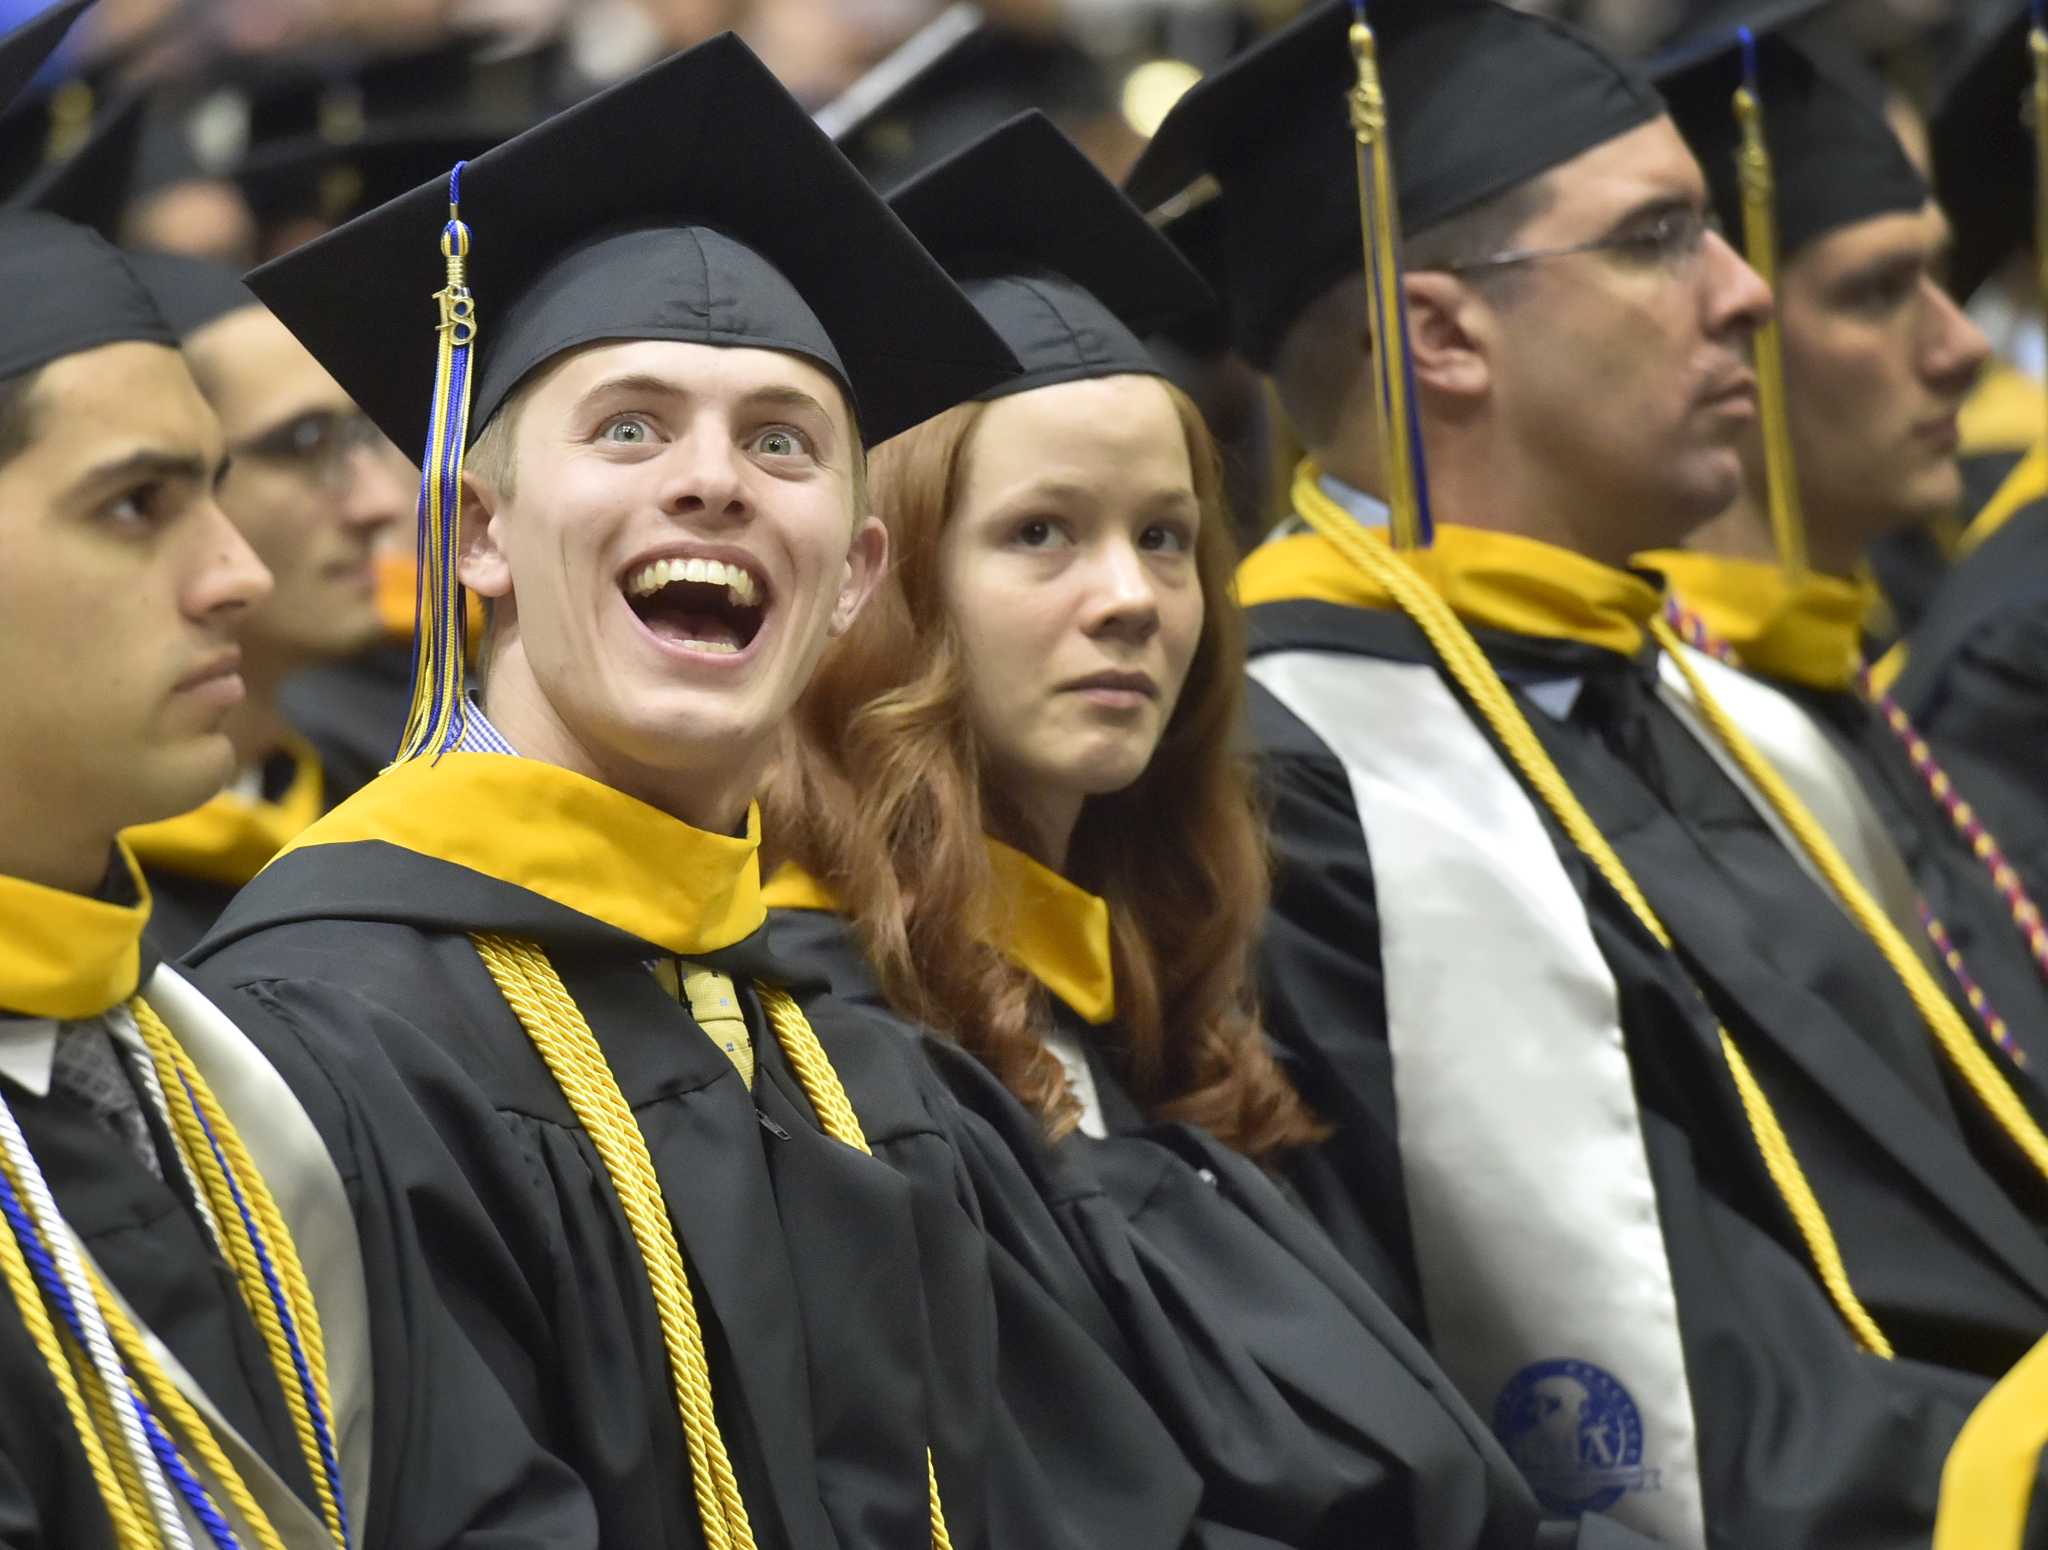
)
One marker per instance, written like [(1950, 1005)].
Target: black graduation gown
[(854, 1308), (1975, 683), (1950, 877), (1954, 1272), (451, 1463), (1316, 1417), (149, 1243), (186, 898)]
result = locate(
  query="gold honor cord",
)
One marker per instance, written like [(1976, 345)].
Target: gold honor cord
[(562, 1035), (1976, 1068), (1475, 676), (556, 1025), (120, 1489), (218, 1185), (1760, 240), (1379, 219), (120, 1492)]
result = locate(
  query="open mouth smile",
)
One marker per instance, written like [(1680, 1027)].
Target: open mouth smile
[(711, 607)]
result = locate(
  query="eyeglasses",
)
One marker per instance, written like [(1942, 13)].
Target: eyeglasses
[(1671, 241), (318, 447)]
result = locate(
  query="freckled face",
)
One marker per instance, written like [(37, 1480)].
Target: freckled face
[(1068, 569)]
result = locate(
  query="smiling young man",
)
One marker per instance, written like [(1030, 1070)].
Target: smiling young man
[(740, 1273), (1877, 361), (1662, 1138), (313, 487), (297, 1369)]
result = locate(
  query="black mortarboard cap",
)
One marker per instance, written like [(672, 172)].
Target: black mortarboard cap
[(1982, 136), (1060, 263), (1835, 159), (79, 293), (1480, 99), (24, 49), (1200, 235), (695, 201), (191, 292), (984, 77)]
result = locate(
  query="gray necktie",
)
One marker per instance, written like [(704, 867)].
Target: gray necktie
[(89, 1068)]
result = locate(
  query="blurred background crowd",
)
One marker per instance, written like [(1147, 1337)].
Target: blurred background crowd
[(258, 122), (237, 129)]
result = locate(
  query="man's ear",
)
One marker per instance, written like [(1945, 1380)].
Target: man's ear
[(479, 562), (1449, 332), (867, 559)]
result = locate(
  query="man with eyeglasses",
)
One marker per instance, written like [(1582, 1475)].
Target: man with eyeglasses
[(1674, 1178), (314, 488)]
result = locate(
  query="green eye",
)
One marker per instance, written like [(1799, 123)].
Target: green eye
[(779, 444), (629, 431)]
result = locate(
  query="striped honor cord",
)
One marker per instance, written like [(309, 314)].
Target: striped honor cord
[(1694, 632)]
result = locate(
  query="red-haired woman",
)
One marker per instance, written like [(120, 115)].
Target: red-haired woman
[(1016, 816)]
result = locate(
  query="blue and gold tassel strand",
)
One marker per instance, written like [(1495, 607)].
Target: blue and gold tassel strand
[(439, 704), (1760, 245), (1379, 212), (2037, 47)]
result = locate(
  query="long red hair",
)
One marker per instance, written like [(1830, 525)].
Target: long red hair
[(884, 797)]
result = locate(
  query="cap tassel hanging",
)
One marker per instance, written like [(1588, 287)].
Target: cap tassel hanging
[(439, 700), (2037, 46), (1760, 242), (1401, 463)]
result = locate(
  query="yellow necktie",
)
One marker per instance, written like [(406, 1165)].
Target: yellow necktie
[(715, 1004)]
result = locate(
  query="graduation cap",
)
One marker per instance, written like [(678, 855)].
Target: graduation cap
[(1479, 99), (695, 201), (38, 125), (1987, 135), (1060, 263), (951, 83), (1834, 157), (1198, 231), (85, 293), (191, 292), (25, 49), (1794, 144)]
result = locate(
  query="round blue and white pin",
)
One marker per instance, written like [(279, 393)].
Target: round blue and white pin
[(1575, 1433)]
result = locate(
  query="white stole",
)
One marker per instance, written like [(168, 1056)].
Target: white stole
[(287, 1150), (1815, 770), (1534, 1217)]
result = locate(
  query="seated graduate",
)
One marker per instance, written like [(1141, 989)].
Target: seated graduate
[(195, 1346), (1662, 1133), (1973, 672), (1858, 439), (1020, 818), (313, 486), (731, 1267)]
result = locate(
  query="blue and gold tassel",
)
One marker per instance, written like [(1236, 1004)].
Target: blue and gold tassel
[(439, 692), (1379, 211), (1760, 247)]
